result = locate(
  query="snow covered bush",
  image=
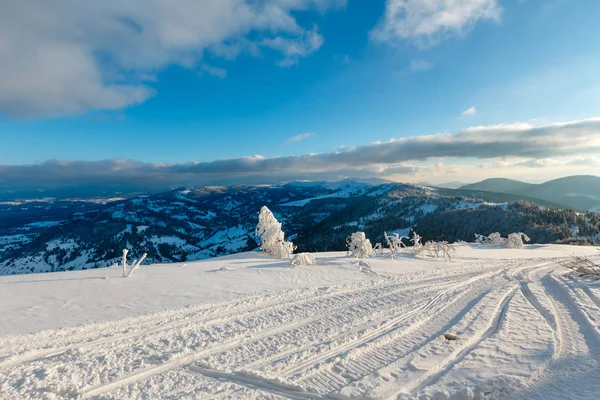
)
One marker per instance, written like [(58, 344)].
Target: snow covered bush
[(272, 237), (494, 239), (359, 246), (134, 266), (303, 259), (436, 250), (515, 240), (378, 249), (394, 243), (583, 267), (416, 241)]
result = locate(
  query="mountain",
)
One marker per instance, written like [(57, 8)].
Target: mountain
[(498, 185), (198, 223), (580, 192)]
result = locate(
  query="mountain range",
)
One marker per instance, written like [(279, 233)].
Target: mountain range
[(196, 223), (581, 192)]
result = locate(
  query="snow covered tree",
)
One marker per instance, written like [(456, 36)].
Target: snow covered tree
[(515, 240), (395, 243), (416, 241), (494, 239), (359, 246), (272, 237), (134, 266), (303, 259)]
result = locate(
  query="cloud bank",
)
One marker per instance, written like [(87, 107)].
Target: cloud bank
[(534, 144), (68, 57), (428, 22)]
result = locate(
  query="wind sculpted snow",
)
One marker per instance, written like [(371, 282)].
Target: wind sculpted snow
[(248, 326)]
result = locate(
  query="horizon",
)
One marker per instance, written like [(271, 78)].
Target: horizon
[(236, 92)]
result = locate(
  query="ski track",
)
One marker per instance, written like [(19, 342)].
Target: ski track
[(578, 358), (147, 372), (312, 343), (493, 326), (189, 318), (382, 330)]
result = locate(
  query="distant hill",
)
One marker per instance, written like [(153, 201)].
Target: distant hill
[(498, 185), (580, 192)]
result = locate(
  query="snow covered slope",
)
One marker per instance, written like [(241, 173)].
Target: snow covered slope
[(246, 326)]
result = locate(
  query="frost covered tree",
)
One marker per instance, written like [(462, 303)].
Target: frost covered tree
[(416, 241), (394, 243), (272, 237), (515, 240), (134, 266), (496, 239), (359, 246)]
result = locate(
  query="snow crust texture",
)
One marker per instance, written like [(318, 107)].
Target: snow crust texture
[(521, 329)]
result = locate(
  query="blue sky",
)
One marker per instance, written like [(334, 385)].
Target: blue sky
[(340, 74)]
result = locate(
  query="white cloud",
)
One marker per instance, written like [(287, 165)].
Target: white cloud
[(299, 138), (293, 48), (518, 147), (68, 57), (426, 22), (469, 112), (214, 71)]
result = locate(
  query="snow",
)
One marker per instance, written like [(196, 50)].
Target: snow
[(249, 326), (44, 224)]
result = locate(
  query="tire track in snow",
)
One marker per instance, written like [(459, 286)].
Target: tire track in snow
[(550, 315), (564, 295), (389, 354), (257, 383), (381, 331), (276, 303), (493, 326), (574, 284), (386, 354), (220, 347), (213, 317), (580, 355)]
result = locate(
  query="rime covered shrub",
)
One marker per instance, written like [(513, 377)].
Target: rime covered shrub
[(494, 239), (395, 243), (583, 267), (416, 241), (303, 259), (272, 237), (515, 240), (359, 246), (437, 250), (128, 270)]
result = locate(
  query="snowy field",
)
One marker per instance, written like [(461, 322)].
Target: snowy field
[(249, 327)]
